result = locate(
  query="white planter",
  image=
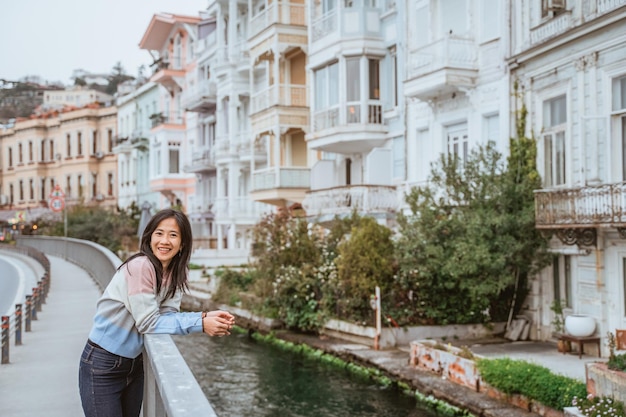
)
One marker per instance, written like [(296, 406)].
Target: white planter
[(580, 325)]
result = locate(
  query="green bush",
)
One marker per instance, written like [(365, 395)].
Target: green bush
[(617, 362), (536, 382)]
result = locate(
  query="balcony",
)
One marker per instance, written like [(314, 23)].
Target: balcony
[(345, 24), (574, 214), (168, 77), (368, 199), (242, 210), (202, 98), (280, 27), (551, 28), (283, 13), (202, 160), (279, 185), (349, 127), (447, 65), (173, 118), (287, 95)]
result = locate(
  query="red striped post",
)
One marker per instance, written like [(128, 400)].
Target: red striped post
[(18, 324), (5, 339), (29, 314)]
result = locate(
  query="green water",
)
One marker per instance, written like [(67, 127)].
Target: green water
[(242, 377)]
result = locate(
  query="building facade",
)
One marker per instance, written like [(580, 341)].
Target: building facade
[(72, 149), (570, 60)]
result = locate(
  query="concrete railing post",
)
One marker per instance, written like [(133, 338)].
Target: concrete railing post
[(18, 324), (28, 315), (5, 339)]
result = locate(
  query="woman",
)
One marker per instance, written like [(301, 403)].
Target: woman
[(143, 297)]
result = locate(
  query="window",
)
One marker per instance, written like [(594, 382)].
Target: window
[(80, 185), (52, 149), (68, 186), (326, 96), (31, 189), (21, 190), (30, 151), (94, 184), (554, 124), (11, 194), (42, 187), (178, 52), (94, 141), (398, 158), (19, 153), (10, 157), (79, 142), (457, 141), (393, 77), (562, 280), (68, 145), (174, 161), (110, 140), (43, 150), (491, 128), (110, 184), (353, 89), (619, 116), (551, 8)]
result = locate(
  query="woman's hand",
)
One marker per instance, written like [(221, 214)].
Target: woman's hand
[(217, 323)]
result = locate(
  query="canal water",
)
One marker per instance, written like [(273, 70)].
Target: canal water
[(242, 377)]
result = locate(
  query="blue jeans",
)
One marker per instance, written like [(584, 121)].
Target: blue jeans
[(110, 385)]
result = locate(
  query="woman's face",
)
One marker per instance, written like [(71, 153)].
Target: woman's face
[(165, 241)]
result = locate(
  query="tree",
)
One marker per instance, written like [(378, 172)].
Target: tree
[(469, 245), (118, 76)]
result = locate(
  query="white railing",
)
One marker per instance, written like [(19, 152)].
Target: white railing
[(447, 52), (279, 95), (279, 12), (605, 6), (279, 177), (364, 198), (324, 25), (170, 388), (326, 119), (551, 28)]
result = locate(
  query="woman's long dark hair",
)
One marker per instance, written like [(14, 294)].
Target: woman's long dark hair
[(179, 263)]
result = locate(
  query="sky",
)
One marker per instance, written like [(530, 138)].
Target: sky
[(52, 38)]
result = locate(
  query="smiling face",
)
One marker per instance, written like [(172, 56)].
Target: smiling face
[(166, 241)]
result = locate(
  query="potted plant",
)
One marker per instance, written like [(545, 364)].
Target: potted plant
[(558, 323)]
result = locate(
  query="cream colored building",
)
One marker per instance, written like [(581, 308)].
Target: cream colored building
[(71, 149), (76, 97)]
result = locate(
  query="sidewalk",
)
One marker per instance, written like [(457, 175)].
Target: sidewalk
[(42, 376)]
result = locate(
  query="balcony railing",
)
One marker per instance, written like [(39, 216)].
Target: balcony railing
[(583, 207), (449, 52), (325, 25), (273, 178), (280, 12), (293, 95), (366, 198), (551, 28), (238, 208)]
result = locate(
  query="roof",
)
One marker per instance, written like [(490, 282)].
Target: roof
[(160, 28)]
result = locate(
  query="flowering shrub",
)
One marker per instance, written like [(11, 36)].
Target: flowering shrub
[(599, 406)]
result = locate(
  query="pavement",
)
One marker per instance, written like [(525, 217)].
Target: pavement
[(42, 376)]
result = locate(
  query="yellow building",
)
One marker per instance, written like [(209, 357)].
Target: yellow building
[(72, 149)]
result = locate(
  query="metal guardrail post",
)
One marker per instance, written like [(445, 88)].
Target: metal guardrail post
[(33, 307), (28, 317), (46, 278), (18, 324), (5, 339), (42, 291)]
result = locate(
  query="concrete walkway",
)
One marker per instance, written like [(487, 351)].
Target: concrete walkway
[(42, 376)]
